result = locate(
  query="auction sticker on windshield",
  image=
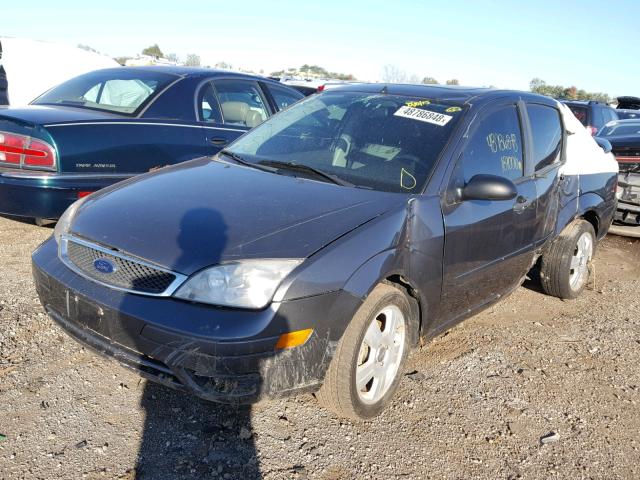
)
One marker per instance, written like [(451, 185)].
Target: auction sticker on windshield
[(423, 115)]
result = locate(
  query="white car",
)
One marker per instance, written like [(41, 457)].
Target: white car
[(23, 61)]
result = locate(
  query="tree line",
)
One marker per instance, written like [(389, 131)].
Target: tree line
[(537, 85), (191, 60), (312, 71), (393, 74), (390, 74)]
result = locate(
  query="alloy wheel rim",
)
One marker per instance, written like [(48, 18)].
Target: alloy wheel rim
[(380, 354), (582, 253)]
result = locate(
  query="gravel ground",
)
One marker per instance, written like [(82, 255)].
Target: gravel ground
[(532, 388)]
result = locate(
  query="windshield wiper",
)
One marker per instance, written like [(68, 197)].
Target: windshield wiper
[(307, 169), (238, 159)]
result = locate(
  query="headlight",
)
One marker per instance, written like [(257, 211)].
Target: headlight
[(64, 223), (242, 284)]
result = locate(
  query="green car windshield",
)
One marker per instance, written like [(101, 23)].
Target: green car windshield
[(381, 141)]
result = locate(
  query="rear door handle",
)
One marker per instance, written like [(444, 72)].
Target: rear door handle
[(218, 141)]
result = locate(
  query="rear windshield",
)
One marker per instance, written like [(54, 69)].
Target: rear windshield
[(626, 128), (119, 90), (580, 113), (380, 141)]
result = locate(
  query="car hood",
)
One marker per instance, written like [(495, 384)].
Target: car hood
[(44, 114), (203, 212)]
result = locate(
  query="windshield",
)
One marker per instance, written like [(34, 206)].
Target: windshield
[(120, 90), (384, 142), (620, 128)]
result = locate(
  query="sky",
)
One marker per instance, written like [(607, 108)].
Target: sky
[(482, 43)]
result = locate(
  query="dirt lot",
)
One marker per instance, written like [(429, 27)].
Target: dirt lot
[(483, 396)]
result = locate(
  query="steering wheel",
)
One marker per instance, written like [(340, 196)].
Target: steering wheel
[(341, 151)]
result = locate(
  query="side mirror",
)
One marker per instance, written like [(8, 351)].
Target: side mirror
[(489, 187), (604, 144)]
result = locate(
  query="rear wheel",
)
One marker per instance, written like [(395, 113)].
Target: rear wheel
[(565, 267), (366, 369)]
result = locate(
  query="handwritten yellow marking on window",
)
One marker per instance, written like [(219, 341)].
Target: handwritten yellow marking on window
[(510, 163), (502, 142), (418, 103), (453, 109), (407, 177)]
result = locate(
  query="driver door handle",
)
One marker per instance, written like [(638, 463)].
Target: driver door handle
[(522, 203)]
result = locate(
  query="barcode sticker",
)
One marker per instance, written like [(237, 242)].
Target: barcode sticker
[(423, 115)]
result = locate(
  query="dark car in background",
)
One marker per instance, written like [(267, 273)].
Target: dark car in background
[(315, 251), (624, 136), (628, 103), (628, 107), (627, 113), (305, 90), (592, 114), (4, 85), (108, 125)]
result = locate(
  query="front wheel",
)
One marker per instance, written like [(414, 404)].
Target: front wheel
[(565, 267), (367, 367)]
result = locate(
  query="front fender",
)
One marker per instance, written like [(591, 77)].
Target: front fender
[(332, 267), (376, 270), (372, 272)]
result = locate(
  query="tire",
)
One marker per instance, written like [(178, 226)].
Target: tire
[(355, 360), (565, 267)]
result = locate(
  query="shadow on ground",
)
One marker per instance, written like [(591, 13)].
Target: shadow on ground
[(185, 437), (532, 280)]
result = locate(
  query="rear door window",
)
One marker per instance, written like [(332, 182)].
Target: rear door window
[(580, 113), (207, 104), (598, 117), (609, 115), (495, 147), (546, 129), (241, 102)]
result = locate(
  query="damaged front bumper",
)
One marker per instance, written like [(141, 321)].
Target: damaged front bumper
[(628, 194), (219, 354)]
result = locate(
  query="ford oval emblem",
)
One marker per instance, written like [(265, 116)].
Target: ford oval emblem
[(104, 266)]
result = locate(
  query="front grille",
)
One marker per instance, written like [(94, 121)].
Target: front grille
[(127, 273)]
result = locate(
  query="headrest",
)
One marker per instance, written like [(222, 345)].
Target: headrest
[(235, 111), (253, 119)]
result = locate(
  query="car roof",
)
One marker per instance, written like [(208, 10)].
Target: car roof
[(585, 103), (575, 102), (625, 120), (444, 93), (193, 72)]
